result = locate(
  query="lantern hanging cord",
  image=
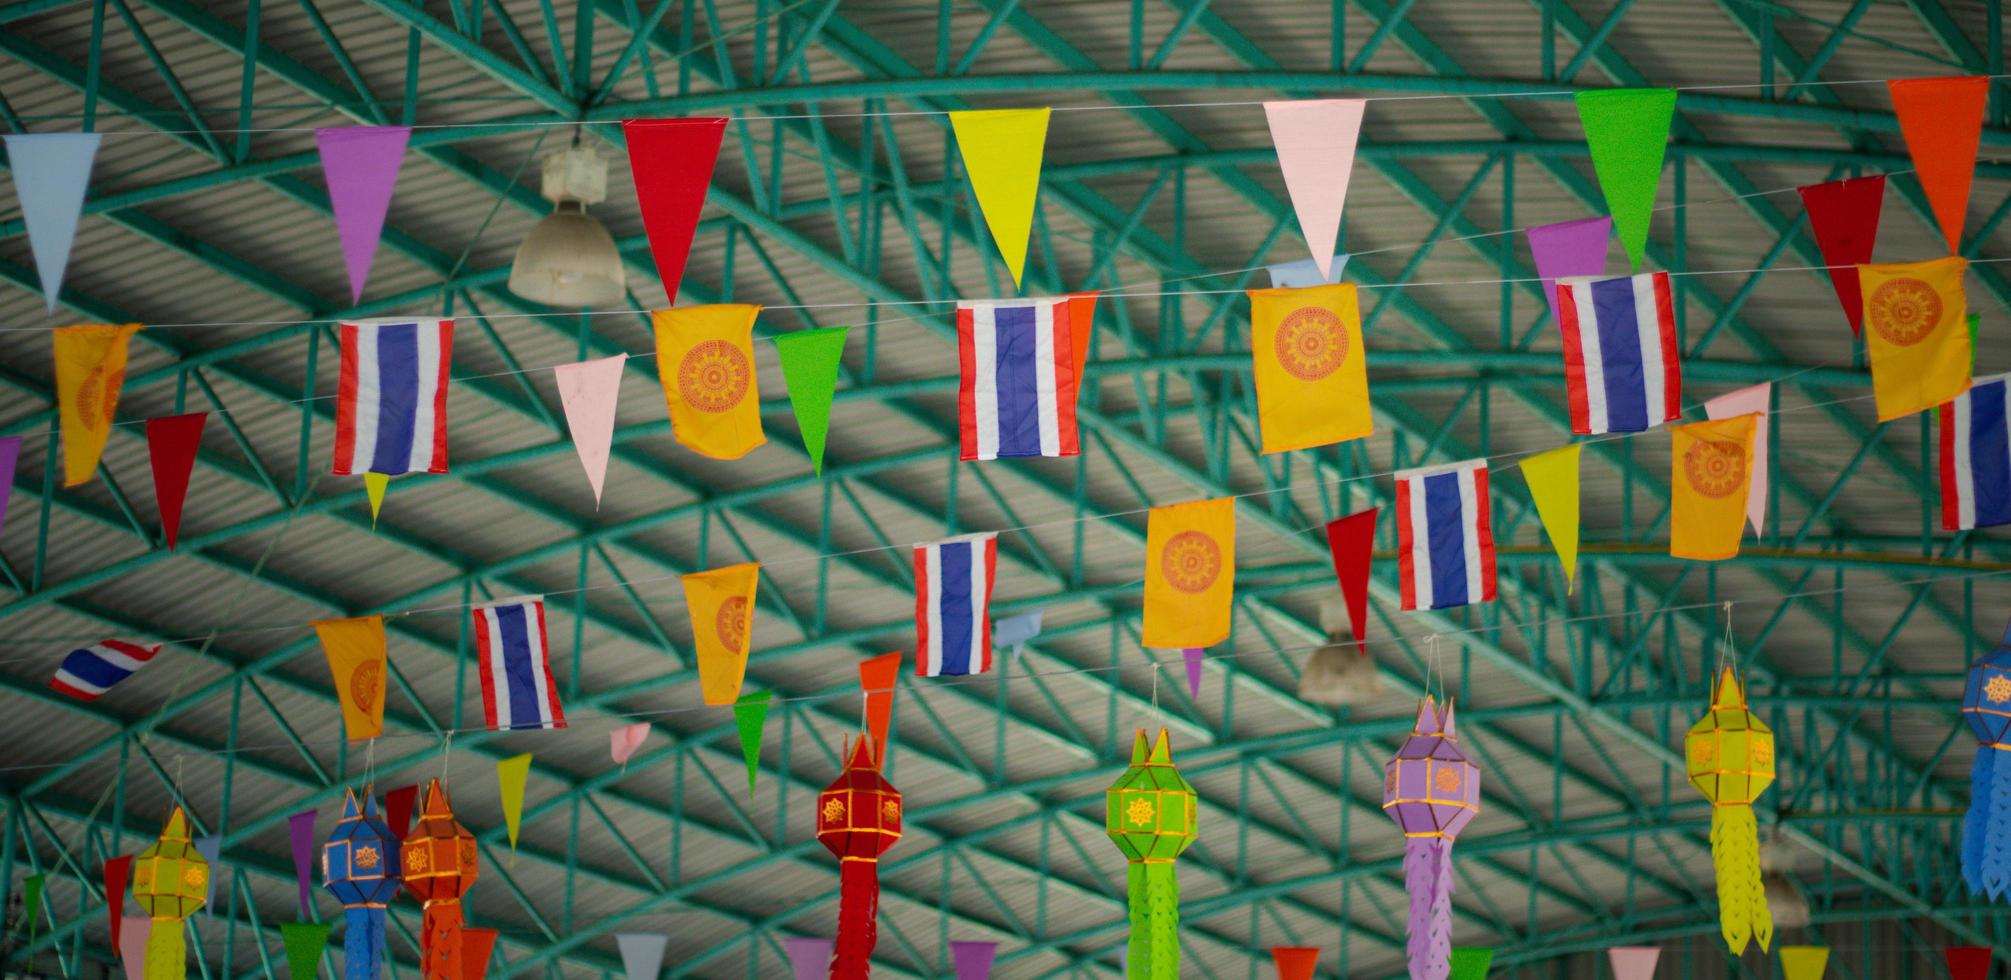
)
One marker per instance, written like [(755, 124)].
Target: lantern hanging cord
[(1158, 719), (1431, 665), (446, 749), (1725, 647)]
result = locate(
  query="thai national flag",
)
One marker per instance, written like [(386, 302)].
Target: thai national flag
[(391, 405), (87, 673), (953, 598), (517, 686), (1445, 550), (1620, 359), (1018, 391), (1976, 457)]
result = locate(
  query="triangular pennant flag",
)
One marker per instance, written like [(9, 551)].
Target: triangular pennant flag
[(671, 161), (1002, 151), (810, 360), (1634, 962), (398, 809), (1843, 214), (304, 943), (878, 677), (172, 441), (809, 956), (1942, 119), (512, 774), (1627, 130), (750, 715), (1967, 962), (1470, 962), (477, 945), (1295, 962), (51, 174), (1757, 399), (90, 372), (1016, 631), (1315, 140), (589, 391), (1351, 541), (1568, 248), (973, 959), (133, 933), (10, 454), (1306, 272), (1194, 657), (210, 846), (31, 904), (374, 485), (623, 741), (1081, 332), (360, 164), (300, 831), (117, 872), (1802, 962), (641, 954), (1553, 485)]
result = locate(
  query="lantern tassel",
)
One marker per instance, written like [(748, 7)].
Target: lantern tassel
[(1428, 879), (1439, 965), (1743, 915), (858, 920), (1996, 866), (363, 942), (1155, 922), (1976, 823), (167, 956), (440, 943)]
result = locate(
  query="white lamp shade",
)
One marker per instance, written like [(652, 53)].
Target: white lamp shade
[(1337, 674), (569, 260)]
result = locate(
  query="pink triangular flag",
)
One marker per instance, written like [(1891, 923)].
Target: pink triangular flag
[(1194, 656), (172, 441), (360, 164), (1634, 962), (1746, 401), (623, 741), (973, 959), (133, 932), (589, 390), (1316, 149), (809, 956)]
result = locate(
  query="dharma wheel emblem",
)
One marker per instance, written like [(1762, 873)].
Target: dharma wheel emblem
[(834, 811)]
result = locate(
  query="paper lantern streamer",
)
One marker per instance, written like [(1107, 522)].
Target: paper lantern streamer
[(1315, 140), (590, 392), (360, 164), (858, 819), (810, 361), (360, 865), (1432, 792), (52, 172), (750, 716), (1150, 813)]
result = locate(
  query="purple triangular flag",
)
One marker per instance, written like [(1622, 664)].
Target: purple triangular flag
[(360, 164), (51, 173), (210, 846), (973, 959), (1194, 657), (1568, 248), (10, 453), (300, 827), (809, 956)]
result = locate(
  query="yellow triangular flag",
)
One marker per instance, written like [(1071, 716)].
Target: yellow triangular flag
[(1002, 152), (511, 776), (1553, 484), (374, 484), (355, 649), (90, 370), (1804, 962)]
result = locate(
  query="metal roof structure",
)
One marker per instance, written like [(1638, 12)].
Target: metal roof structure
[(839, 199)]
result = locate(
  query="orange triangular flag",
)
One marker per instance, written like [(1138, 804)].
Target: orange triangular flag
[(878, 677), (1943, 122)]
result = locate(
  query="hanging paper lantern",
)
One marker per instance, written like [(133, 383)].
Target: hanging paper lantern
[(1731, 762), (1150, 814), (359, 866), (1986, 831), (439, 862), (170, 881), (858, 818), (1432, 792)]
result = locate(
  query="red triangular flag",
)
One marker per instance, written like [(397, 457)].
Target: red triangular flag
[(1943, 122), (172, 441), (117, 870), (1967, 962), (1844, 216), (398, 809), (1295, 962), (1352, 541), (476, 945), (671, 160), (877, 676)]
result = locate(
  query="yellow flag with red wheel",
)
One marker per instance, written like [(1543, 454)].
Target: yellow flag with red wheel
[(90, 370), (1306, 355), (1190, 573), (1915, 336), (355, 650), (721, 602), (705, 358), (1712, 465)]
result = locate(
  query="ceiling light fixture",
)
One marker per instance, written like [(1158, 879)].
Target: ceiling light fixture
[(568, 259)]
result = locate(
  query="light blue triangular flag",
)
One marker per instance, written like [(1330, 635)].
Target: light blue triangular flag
[(1018, 631), (1305, 272), (210, 846), (641, 954), (51, 172)]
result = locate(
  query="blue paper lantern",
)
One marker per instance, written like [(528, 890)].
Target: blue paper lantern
[(359, 866)]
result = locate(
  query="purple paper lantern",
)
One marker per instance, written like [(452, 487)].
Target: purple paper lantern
[(1432, 792)]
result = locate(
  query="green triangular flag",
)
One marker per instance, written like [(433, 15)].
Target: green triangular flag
[(1627, 130), (1470, 962), (810, 369), (304, 943), (31, 903), (750, 713)]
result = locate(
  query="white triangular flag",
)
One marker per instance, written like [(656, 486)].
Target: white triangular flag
[(51, 173), (1315, 140), (1746, 401)]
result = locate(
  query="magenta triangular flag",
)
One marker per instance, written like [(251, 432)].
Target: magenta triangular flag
[(1634, 962), (809, 956), (973, 959), (172, 441), (360, 164), (1315, 141), (589, 391), (1194, 656), (10, 453), (1568, 248), (300, 828)]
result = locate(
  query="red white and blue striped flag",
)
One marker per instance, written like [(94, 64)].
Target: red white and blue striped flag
[(1621, 365), (391, 402), (953, 597), (1445, 548), (87, 673), (1976, 457), (1019, 378), (517, 687)]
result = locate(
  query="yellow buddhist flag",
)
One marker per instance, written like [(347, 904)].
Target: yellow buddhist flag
[(1002, 151), (1553, 484), (1312, 377), (1915, 337), (90, 370), (721, 602), (355, 649), (705, 356), (1190, 573), (1711, 473)]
